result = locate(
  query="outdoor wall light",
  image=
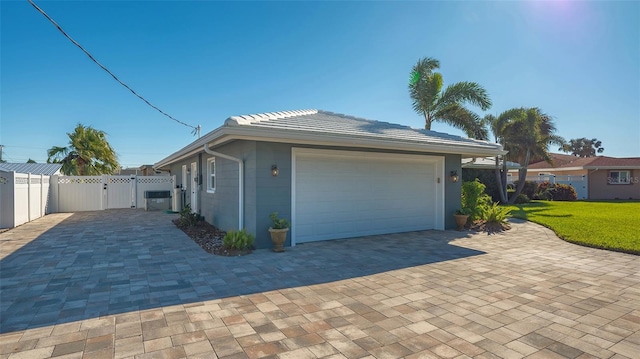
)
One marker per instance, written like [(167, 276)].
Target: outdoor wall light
[(275, 171), (454, 176)]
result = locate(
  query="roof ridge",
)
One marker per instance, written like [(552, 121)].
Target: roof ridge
[(265, 116), (422, 130)]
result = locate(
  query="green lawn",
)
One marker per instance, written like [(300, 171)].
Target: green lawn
[(613, 225)]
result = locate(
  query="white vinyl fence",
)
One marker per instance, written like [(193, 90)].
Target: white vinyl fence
[(25, 197), (94, 193), (579, 183)]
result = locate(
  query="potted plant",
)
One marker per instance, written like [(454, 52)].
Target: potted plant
[(278, 230), (462, 216)]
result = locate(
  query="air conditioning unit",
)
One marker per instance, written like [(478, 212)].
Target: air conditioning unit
[(176, 200)]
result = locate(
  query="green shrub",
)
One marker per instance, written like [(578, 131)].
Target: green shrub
[(542, 187), (495, 214), (522, 198), (487, 178), (238, 240), (529, 188), (278, 223), (547, 195), (474, 198), (564, 192), (187, 218)]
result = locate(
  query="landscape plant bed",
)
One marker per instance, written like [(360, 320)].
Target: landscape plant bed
[(209, 238), (489, 227)]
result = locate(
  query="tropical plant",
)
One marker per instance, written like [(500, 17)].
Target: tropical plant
[(434, 104), (527, 134), (583, 147), (88, 153), (522, 198), (187, 217), (560, 192), (238, 240), (278, 223), (31, 161), (474, 199), (495, 214)]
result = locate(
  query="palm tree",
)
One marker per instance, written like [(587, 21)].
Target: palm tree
[(88, 153), (583, 147), (434, 104), (527, 134)]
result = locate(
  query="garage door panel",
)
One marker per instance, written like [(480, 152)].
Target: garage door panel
[(341, 195)]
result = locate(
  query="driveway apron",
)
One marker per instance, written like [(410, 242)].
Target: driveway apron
[(133, 280)]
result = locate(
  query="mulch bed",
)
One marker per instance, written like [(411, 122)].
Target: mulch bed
[(209, 238), (490, 228)]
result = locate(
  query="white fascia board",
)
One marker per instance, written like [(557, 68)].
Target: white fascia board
[(268, 135), (612, 167), (188, 150), (225, 134)]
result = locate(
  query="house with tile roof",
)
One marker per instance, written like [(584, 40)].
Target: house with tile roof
[(331, 175), (605, 177)]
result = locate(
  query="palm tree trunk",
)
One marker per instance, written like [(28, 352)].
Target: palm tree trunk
[(522, 177), (501, 181), (427, 121)]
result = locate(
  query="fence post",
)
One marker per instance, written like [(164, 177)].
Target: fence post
[(54, 194), (42, 202), (29, 197), (134, 191), (105, 194)]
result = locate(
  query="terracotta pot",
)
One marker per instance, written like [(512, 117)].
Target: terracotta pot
[(461, 220), (278, 237)]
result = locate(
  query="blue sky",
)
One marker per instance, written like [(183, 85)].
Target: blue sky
[(205, 61)]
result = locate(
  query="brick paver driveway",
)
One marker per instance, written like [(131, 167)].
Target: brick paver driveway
[(127, 283)]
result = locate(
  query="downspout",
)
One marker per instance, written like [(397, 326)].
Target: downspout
[(240, 182)]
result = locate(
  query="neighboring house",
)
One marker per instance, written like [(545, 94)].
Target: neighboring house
[(47, 169), (144, 170), (486, 163), (602, 177), (332, 175)]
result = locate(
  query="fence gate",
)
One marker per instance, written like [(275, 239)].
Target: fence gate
[(77, 193), (94, 193), (120, 191)]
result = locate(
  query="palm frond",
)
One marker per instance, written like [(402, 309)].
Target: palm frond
[(466, 92), (464, 119)]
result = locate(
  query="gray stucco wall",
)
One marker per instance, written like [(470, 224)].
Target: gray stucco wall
[(452, 191), (221, 208), (176, 169), (264, 193), (273, 194)]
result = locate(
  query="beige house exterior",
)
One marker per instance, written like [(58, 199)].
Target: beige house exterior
[(606, 177)]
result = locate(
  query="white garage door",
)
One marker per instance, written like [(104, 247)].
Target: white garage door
[(342, 194)]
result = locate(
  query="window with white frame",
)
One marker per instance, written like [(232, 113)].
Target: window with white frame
[(211, 175), (619, 177)]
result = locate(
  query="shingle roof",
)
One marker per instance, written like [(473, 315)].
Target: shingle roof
[(329, 128), (602, 161), (47, 169), (569, 161)]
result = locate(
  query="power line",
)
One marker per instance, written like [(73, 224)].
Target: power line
[(195, 128)]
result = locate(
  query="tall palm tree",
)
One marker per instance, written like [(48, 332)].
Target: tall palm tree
[(88, 153), (434, 104), (527, 134)]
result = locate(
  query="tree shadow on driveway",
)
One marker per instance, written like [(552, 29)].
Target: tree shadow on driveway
[(109, 262)]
